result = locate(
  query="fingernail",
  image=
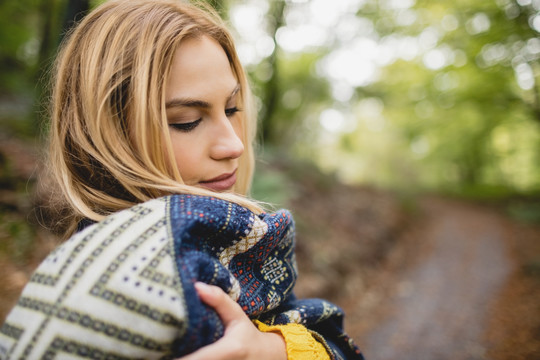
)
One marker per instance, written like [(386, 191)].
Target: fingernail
[(204, 287)]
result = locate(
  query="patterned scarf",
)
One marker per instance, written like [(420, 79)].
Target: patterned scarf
[(123, 288)]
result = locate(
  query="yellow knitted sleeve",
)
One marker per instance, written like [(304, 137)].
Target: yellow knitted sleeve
[(301, 345)]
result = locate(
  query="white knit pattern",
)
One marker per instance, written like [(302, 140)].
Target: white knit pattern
[(113, 285)]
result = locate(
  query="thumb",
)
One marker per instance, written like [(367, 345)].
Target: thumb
[(227, 309)]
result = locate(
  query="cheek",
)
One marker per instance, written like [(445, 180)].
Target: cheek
[(239, 129), (188, 158)]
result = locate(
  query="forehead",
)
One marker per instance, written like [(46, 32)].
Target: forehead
[(200, 68)]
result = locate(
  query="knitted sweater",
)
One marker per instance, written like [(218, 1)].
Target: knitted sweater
[(123, 288)]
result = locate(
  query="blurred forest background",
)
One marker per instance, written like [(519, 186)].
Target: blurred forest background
[(364, 106), (408, 95)]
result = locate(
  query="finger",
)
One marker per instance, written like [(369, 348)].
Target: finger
[(227, 309), (220, 350)]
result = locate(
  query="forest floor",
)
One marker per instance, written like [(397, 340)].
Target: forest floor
[(426, 278), (460, 285), (461, 281)]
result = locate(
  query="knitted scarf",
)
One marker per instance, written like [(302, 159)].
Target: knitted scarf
[(123, 288)]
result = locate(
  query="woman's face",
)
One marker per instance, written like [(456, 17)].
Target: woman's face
[(202, 99)]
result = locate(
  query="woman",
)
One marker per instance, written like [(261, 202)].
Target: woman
[(151, 147)]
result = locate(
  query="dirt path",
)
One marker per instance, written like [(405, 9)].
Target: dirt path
[(440, 307)]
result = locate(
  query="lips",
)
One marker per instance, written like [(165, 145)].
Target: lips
[(221, 183)]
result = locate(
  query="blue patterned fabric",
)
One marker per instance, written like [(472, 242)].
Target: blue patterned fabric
[(203, 229), (131, 278)]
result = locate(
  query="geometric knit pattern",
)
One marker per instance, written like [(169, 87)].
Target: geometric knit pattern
[(123, 288)]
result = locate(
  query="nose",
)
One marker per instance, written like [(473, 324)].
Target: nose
[(227, 142)]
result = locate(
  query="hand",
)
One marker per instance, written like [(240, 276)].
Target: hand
[(242, 340)]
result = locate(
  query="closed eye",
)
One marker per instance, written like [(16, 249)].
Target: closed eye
[(231, 111), (186, 127)]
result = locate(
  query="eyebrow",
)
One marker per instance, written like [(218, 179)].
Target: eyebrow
[(187, 102)]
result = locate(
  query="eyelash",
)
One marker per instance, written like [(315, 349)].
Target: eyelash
[(187, 127), (232, 111)]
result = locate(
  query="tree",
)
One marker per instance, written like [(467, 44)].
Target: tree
[(459, 96)]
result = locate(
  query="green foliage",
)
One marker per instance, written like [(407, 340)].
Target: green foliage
[(29, 35), (18, 46), (298, 94), (525, 211), (17, 237), (271, 186), (466, 124)]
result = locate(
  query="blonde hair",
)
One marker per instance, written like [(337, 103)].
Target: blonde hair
[(108, 122)]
